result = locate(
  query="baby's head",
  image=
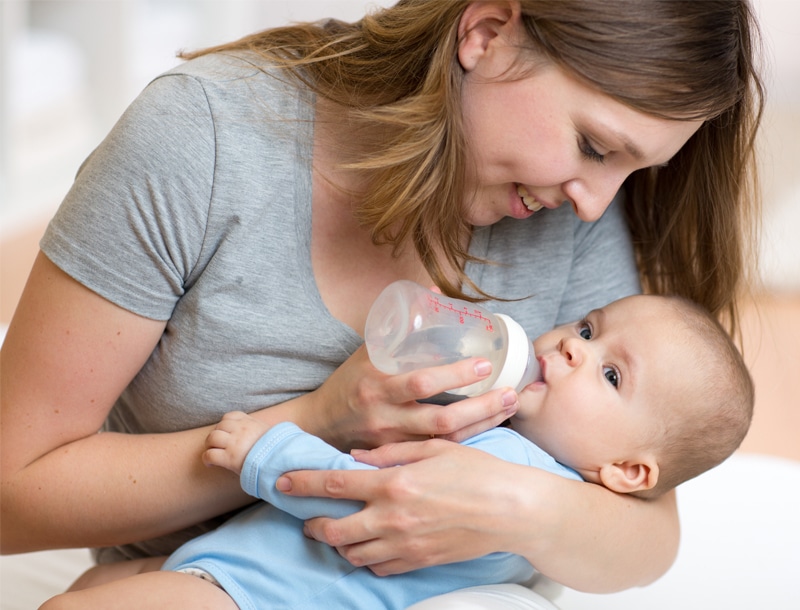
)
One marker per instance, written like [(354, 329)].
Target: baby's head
[(639, 396)]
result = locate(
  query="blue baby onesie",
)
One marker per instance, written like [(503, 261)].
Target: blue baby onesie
[(262, 559)]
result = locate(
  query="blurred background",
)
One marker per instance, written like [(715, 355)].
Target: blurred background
[(68, 69)]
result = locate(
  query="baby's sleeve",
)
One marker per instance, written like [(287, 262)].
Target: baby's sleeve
[(285, 448)]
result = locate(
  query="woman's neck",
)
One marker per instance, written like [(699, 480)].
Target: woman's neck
[(349, 268)]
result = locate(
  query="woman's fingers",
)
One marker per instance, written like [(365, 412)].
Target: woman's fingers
[(350, 484), (377, 554), (340, 533), (424, 383), (415, 515), (400, 454), (358, 406), (363, 485), (461, 420)]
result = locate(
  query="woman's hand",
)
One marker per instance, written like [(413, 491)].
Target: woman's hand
[(448, 503), (358, 406)]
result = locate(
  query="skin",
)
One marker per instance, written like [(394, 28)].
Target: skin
[(69, 353), (549, 132), (600, 375), (150, 590)]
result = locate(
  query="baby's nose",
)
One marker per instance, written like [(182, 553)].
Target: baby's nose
[(573, 351)]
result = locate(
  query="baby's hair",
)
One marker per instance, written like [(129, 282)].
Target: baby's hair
[(712, 420)]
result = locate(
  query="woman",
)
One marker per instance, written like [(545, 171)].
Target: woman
[(221, 248)]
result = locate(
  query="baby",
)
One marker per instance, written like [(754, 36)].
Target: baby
[(639, 396)]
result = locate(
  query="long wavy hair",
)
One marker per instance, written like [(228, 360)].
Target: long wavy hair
[(395, 72)]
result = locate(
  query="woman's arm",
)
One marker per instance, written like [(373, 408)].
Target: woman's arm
[(66, 358), (68, 355), (429, 512)]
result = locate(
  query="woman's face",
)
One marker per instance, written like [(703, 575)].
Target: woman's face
[(549, 139)]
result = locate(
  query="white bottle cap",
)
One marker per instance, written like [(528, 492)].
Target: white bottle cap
[(519, 356)]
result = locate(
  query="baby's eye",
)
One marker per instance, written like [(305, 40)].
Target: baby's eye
[(612, 375), (585, 331)]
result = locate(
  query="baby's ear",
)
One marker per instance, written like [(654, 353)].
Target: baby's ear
[(630, 476)]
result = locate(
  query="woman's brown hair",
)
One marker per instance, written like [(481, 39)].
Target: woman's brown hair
[(694, 222), (396, 72)]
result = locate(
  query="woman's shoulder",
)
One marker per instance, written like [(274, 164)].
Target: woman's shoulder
[(223, 66), (236, 86), (247, 68)]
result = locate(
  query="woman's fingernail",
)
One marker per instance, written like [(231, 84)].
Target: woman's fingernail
[(358, 451), (483, 368), (509, 399), (283, 484)]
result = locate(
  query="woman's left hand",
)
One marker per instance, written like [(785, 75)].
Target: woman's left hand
[(443, 502), (446, 503)]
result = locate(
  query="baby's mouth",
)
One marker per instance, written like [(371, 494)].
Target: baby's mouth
[(529, 200), (542, 369)]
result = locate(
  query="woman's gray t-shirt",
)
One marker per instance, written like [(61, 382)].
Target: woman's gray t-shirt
[(196, 209)]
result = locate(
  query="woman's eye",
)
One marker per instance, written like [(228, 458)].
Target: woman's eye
[(588, 151), (611, 375), (585, 331)]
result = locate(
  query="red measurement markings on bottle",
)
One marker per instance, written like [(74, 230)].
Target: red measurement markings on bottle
[(463, 313)]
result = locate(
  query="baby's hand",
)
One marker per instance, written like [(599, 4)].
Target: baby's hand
[(228, 444)]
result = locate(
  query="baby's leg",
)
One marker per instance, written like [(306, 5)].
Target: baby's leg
[(152, 590), (104, 573)]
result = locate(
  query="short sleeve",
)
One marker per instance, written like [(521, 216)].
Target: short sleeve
[(131, 227)]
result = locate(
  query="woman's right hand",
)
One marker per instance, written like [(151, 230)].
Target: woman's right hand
[(360, 407)]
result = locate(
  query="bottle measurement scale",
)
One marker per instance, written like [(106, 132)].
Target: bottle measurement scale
[(410, 327), (463, 313)]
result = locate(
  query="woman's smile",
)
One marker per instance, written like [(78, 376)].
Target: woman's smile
[(533, 204)]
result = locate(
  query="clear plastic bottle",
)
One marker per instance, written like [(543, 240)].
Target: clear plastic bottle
[(410, 327)]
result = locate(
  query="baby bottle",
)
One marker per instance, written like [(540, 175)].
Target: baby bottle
[(410, 327)]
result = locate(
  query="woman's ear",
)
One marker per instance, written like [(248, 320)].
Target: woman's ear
[(481, 23), (627, 477)]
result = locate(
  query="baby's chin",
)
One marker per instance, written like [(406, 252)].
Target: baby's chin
[(530, 398)]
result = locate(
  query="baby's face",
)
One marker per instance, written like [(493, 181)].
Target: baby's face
[(603, 380)]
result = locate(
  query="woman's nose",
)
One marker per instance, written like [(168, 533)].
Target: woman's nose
[(590, 197)]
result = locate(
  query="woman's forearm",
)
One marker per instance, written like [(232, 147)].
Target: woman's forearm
[(110, 489), (64, 484), (591, 539)]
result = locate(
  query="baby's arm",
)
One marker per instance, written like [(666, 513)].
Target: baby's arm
[(260, 454), (228, 444)]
